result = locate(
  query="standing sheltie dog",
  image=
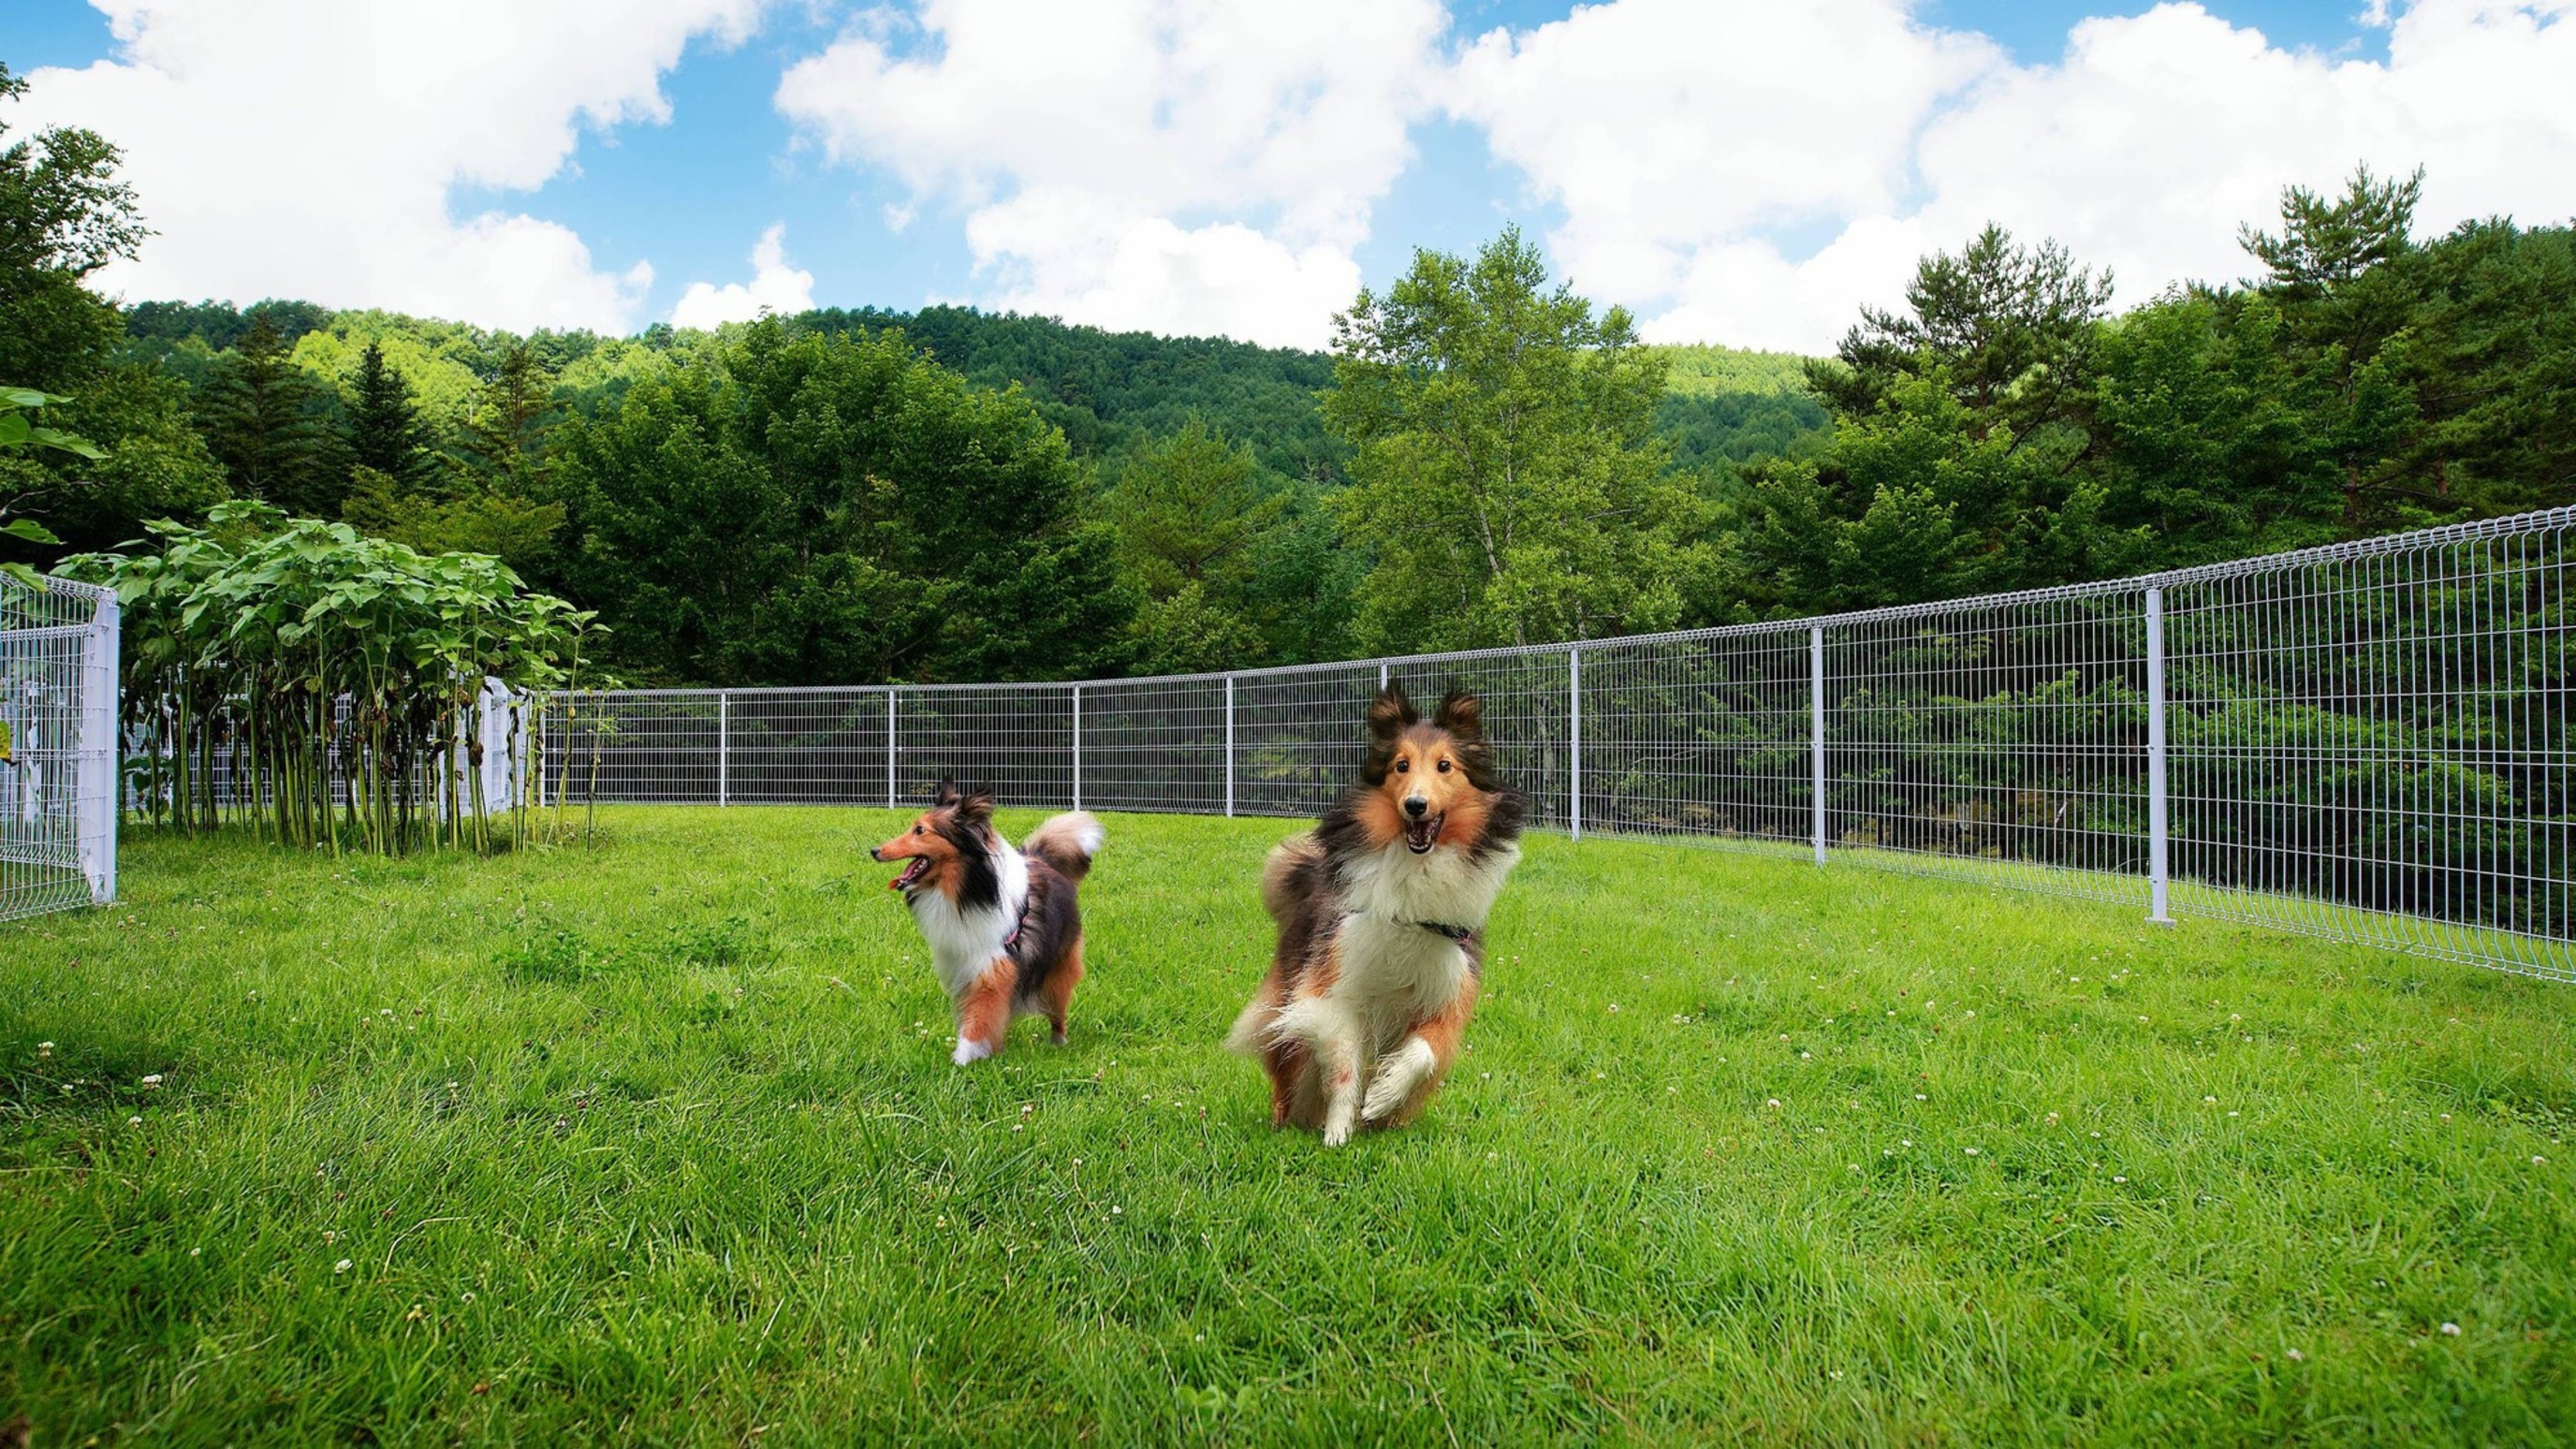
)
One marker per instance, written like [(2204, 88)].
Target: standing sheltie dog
[(1381, 911), (1003, 928)]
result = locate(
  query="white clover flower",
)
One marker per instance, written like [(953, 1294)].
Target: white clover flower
[(340, 1267), (44, 1048), (151, 1079), (2295, 1356), (1774, 1102), (2450, 1330), (133, 1121), (1972, 1152)]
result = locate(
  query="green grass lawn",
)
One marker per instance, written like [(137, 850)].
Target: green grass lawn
[(658, 1140)]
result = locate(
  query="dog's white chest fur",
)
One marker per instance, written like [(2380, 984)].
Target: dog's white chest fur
[(964, 941), (1395, 970)]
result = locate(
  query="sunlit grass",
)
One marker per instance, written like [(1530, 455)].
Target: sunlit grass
[(659, 1140)]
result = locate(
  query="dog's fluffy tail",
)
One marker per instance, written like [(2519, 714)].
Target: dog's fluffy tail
[(1067, 842), (1281, 888), (1252, 1026)]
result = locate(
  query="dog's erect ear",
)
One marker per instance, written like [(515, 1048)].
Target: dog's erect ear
[(946, 795), (1392, 714), (1463, 715), (976, 806)]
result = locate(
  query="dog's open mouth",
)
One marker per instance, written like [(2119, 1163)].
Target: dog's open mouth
[(913, 870), (1422, 832)]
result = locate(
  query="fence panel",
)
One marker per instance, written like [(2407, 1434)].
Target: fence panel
[(1299, 736), (2372, 743), (1705, 736), (58, 757), (2367, 742), (1017, 738), (1995, 739), (1155, 744), (803, 747)]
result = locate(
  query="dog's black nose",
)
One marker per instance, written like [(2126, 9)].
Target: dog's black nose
[(1415, 806), (874, 855)]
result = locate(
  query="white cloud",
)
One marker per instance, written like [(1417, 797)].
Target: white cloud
[(774, 287), (1181, 165), (1684, 141), (1662, 126), (310, 148)]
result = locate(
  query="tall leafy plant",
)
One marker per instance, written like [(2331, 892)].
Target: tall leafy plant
[(321, 686)]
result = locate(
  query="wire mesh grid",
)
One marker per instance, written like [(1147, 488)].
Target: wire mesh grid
[(2376, 748), (58, 762), (802, 746), (1707, 736), (2367, 741), (1152, 745), (1999, 740)]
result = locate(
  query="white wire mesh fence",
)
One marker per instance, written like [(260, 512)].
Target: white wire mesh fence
[(58, 757), (2367, 742)]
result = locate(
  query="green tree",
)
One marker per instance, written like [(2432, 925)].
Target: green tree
[(2010, 328), (1188, 512), (800, 509), (494, 504), (264, 420), (20, 432), (1188, 508), (2324, 246), (151, 462), (1510, 486), (2489, 355), (63, 215), (385, 428), (505, 438)]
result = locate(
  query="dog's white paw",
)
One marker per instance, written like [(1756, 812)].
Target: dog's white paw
[(1397, 1075), (969, 1051), (1336, 1133)]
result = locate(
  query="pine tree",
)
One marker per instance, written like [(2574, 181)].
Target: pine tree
[(264, 420), (385, 428), (506, 438)]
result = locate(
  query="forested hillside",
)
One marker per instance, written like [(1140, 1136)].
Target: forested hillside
[(1482, 457)]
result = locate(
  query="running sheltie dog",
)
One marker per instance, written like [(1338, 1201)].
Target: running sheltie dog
[(1003, 928), (1381, 911)]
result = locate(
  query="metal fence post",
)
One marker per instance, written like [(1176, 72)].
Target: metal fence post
[(1574, 739), (2159, 844), (1381, 679), (98, 777), (1077, 747), (890, 698), (724, 748), (1229, 747), (1816, 702)]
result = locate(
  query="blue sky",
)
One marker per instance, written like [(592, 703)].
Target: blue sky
[(1755, 230)]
